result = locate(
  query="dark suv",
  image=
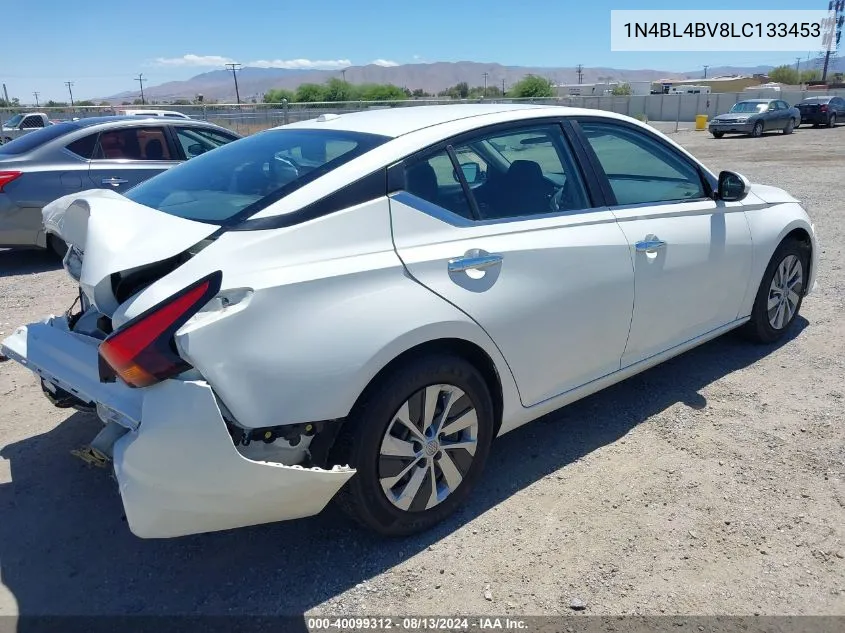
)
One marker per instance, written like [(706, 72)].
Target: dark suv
[(823, 110)]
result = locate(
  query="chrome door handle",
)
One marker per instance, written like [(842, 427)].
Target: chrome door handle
[(114, 181), (474, 262), (650, 245)]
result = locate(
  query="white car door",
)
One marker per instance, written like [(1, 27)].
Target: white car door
[(513, 240), (692, 256)]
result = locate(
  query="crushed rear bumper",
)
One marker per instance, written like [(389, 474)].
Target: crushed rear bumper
[(177, 468)]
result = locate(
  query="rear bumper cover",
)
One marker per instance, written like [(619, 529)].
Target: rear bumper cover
[(177, 469)]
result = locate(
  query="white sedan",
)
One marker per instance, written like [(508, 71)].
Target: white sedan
[(353, 307)]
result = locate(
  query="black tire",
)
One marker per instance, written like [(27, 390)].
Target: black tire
[(831, 120), (57, 245), (359, 443), (759, 329), (717, 134), (757, 132), (789, 127)]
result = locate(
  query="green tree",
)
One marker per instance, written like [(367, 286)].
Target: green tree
[(181, 102), (381, 92), (14, 102), (785, 75), (532, 86), (419, 93), (810, 75), (277, 95), (622, 90), (55, 104), (339, 90), (104, 103), (85, 103), (308, 93)]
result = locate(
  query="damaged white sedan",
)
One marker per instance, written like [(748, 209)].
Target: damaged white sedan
[(353, 307)]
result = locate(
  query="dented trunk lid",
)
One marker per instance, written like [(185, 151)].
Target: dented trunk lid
[(111, 234)]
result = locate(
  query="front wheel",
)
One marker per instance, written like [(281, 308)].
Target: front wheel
[(757, 131), (717, 134), (780, 294), (790, 126), (419, 441)]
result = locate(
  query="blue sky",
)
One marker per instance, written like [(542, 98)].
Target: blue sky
[(102, 46)]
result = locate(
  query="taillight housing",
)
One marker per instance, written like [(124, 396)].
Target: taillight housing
[(142, 352), (8, 176), (823, 108)]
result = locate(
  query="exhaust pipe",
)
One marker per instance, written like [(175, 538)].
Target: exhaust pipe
[(101, 449)]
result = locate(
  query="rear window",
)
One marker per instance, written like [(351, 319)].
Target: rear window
[(237, 180), (31, 140), (816, 100)]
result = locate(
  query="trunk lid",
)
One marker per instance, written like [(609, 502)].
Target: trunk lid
[(113, 235)]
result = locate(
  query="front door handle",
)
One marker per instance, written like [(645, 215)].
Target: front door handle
[(114, 182), (474, 260), (648, 245)]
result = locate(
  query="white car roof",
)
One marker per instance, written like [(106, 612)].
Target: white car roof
[(402, 120)]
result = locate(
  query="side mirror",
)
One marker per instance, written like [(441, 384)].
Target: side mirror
[(733, 187), (472, 173)]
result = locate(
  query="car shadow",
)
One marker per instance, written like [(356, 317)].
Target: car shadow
[(65, 547), (15, 261)]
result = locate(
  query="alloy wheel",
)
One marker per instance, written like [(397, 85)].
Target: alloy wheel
[(428, 448), (785, 292)]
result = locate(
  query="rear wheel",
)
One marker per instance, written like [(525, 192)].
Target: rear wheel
[(790, 126), (780, 294), (757, 132), (418, 441), (831, 122)]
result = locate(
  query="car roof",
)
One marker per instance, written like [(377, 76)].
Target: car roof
[(399, 121)]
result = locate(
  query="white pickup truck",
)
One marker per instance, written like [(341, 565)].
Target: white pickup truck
[(22, 123)]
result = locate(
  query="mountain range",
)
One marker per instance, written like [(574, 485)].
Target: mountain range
[(432, 77)]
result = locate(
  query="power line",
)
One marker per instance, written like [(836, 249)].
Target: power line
[(69, 84), (140, 80), (35, 94), (234, 68)]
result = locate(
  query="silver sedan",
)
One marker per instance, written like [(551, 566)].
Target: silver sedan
[(104, 152)]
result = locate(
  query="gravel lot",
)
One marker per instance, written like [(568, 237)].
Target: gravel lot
[(712, 484)]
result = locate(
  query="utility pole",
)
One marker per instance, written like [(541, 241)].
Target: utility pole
[(798, 65), (69, 84), (35, 94), (580, 70), (234, 68), (705, 71), (140, 80), (343, 74), (503, 87), (485, 75)]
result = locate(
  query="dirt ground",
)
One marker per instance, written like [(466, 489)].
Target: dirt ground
[(714, 484)]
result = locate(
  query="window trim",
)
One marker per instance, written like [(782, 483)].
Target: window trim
[(708, 184), (396, 172)]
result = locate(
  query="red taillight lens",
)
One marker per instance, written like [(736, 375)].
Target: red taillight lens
[(8, 176), (823, 108), (142, 352)]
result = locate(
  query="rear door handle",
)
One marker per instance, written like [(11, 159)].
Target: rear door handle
[(650, 245), (474, 261), (114, 182)]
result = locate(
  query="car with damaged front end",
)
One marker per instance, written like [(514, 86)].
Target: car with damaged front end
[(354, 307)]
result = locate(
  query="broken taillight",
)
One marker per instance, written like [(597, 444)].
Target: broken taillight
[(142, 351), (8, 176)]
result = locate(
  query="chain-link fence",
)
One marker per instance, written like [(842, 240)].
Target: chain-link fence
[(250, 118)]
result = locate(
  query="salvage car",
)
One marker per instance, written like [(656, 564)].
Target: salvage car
[(111, 152), (822, 110), (354, 307), (755, 116)]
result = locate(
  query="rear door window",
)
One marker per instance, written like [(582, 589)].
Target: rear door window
[(142, 144)]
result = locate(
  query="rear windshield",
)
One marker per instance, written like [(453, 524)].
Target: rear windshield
[(31, 140), (237, 180), (816, 100)]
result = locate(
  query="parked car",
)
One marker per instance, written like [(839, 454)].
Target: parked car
[(112, 152), (354, 306), (21, 124), (148, 113), (755, 116), (823, 110)]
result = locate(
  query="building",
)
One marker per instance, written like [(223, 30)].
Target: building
[(601, 89)]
